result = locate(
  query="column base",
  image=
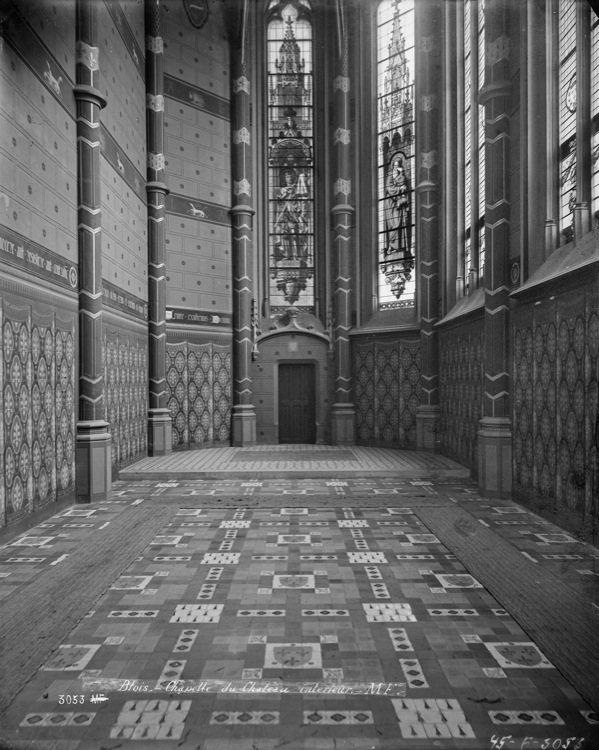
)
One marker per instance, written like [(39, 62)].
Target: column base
[(495, 457), (427, 429), (343, 428), (243, 425), (582, 219), (93, 471), (160, 432)]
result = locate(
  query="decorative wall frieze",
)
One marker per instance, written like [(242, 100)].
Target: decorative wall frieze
[(201, 210), (174, 88), (241, 84), (155, 44), (341, 135), (184, 316), (23, 42), (86, 55), (20, 252), (341, 83), (121, 20), (155, 103), (115, 156), (242, 187), (123, 301), (497, 50), (241, 136)]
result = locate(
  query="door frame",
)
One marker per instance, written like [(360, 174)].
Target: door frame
[(276, 393)]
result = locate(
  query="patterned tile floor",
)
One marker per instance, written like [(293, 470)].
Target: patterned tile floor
[(322, 624)]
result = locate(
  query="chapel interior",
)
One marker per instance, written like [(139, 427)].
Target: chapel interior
[(312, 231)]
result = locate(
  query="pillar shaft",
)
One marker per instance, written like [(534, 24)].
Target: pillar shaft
[(93, 468), (159, 418), (428, 95), (343, 426), (242, 212), (495, 434)]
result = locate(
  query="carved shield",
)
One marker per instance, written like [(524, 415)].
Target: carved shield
[(521, 654), (197, 12), (293, 656), (461, 581), (294, 582)]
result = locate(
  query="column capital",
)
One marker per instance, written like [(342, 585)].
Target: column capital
[(157, 187), (242, 208), (90, 94), (494, 90), (343, 208)]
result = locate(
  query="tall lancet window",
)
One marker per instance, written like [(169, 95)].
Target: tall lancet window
[(290, 156), (395, 108), (567, 116), (474, 144), (595, 117)]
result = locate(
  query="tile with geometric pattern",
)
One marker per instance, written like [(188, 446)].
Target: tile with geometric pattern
[(354, 598)]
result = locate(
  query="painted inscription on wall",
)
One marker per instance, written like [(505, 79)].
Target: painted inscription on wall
[(17, 251)]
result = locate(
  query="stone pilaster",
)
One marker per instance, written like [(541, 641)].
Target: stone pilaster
[(93, 440), (429, 83), (495, 436), (243, 427), (343, 411), (159, 417)]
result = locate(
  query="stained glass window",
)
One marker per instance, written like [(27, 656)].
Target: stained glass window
[(474, 143), (290, 156), (595, 115), (567, 116), (395, 146), (481, 144), (468, 5)]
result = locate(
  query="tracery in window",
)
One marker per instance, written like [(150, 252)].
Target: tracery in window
[(595, 116), (395, 107), (474, 144), (481, 145), (290, 156), (567, 116)]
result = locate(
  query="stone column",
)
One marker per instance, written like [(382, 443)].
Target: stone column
[(495, 435), (429, 82), (93, 440), (159, 417), (243, 427), (343, 411)]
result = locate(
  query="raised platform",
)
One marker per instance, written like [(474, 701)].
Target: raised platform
[(293, 462)]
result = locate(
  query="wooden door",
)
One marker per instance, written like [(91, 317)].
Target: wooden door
[(297, 403)]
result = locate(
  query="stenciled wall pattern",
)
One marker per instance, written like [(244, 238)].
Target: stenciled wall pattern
[(37, 414), (199, 383), (461, 370), (387, 391), (556, 419), (125, 357)]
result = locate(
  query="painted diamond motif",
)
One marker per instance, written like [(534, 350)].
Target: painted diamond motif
[(197, 613), (398, 612)]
